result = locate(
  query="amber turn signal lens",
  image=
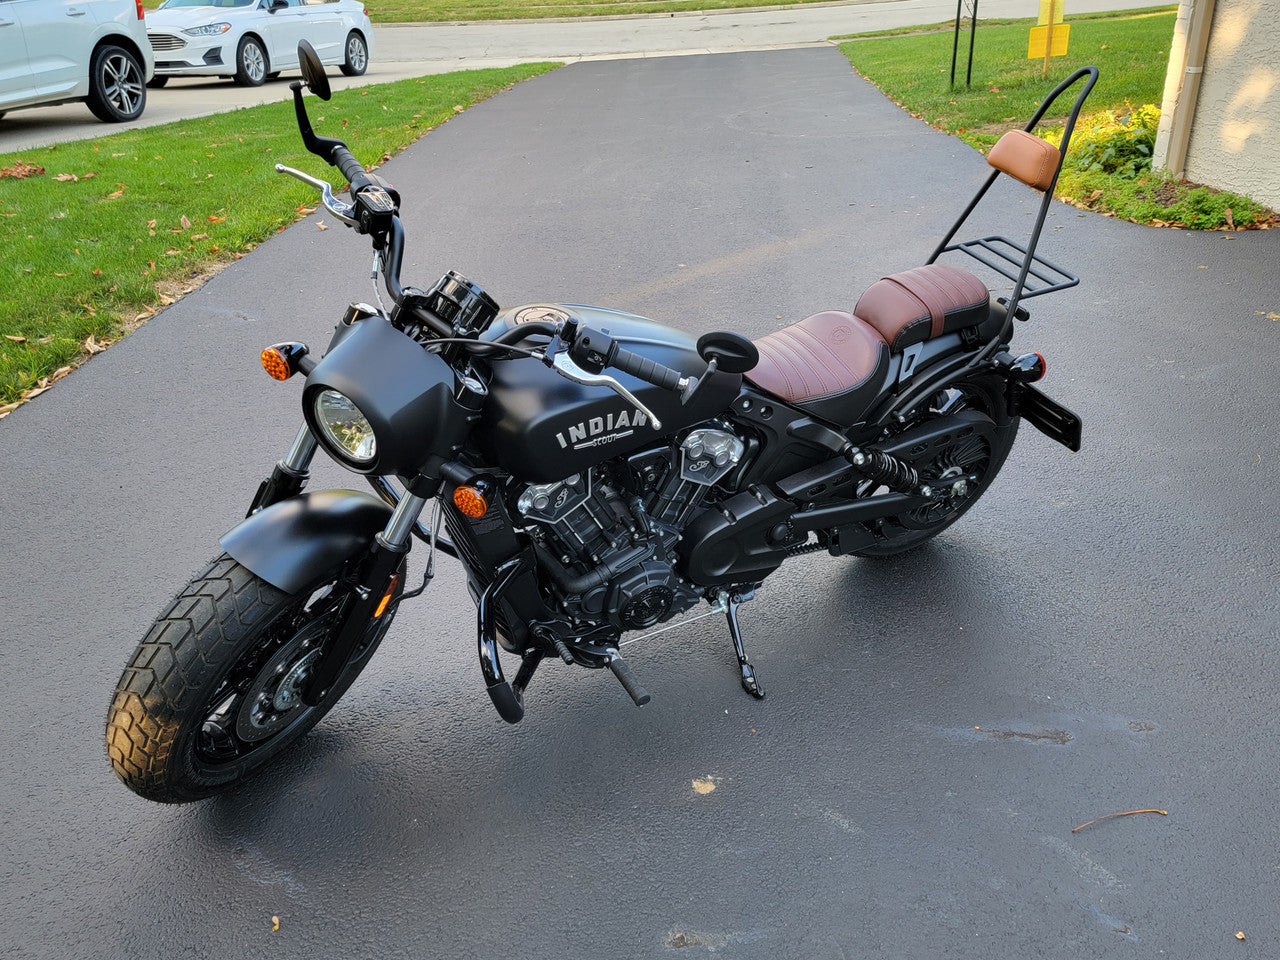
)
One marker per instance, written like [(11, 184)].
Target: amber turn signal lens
[(470, 502), (386, 597), (274, 362)]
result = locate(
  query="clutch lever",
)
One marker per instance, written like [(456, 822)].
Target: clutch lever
[(563, 364), (342, 211)]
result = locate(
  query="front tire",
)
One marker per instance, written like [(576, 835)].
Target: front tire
[(251, 63), (357, 59), (212, 694), (117, 85)]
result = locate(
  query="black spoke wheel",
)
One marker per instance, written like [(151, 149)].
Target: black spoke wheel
[(117, 85), (959, 474), (214, 691)]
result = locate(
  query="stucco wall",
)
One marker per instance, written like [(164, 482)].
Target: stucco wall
[(1235, 138)]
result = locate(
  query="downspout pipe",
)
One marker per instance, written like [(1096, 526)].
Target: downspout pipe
[(1199, 24)]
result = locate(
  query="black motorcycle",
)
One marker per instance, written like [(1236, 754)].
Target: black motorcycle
[(594, 472)]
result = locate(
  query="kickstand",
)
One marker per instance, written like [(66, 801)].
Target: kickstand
[(731, 602)]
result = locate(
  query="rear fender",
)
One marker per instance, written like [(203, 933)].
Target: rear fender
[(297, 543)]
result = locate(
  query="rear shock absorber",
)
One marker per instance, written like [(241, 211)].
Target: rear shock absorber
[(887, 469)]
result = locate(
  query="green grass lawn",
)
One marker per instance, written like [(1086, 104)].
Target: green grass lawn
[(1131, 51), (118, 226), (423, 11)]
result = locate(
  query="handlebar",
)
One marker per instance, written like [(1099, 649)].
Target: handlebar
[(642, 368)]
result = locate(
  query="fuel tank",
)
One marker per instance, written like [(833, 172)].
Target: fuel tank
[(542, 427)]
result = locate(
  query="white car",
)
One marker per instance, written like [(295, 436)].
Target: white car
[(253, 40), (54, 51)]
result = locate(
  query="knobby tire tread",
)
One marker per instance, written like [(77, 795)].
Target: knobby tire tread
[(173, 663)]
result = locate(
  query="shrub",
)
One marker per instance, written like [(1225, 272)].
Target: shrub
[(1114, 143)]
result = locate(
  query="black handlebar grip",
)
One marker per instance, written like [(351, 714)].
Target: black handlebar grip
[(351, 168), (650, 371), (629, 681)]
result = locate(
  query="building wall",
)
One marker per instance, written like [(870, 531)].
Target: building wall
[(1235, 137)]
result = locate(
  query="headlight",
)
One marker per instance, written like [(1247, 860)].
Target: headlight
[(208, 30), (345, 426)]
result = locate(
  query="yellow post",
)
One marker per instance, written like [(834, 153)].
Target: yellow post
[(1048, 42)]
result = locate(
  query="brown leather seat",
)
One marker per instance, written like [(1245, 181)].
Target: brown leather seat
[(920, 304), (823, 363), (834, 363)]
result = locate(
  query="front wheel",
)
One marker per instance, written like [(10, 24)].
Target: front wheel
[(357, 59), (964, 469), (251, 63), (117, 85), (212, 695)]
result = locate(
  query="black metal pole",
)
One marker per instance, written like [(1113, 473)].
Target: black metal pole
[(973, 32), (955, 44)]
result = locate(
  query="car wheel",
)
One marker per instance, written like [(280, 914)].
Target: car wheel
[(357, 55), (155, 83), (117, 85), (251, 63)]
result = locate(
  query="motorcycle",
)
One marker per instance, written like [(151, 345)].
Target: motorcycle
[(596, 473)]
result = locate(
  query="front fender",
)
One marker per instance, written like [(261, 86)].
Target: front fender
[(296, 543)]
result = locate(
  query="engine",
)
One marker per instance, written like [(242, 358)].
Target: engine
[(606, 538)]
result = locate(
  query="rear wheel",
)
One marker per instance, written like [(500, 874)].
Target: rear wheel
[(213, 693), (357, 55), (251, 62), (117, 85), (960, 473)]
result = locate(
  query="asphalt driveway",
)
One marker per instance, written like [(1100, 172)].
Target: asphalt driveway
[(1098, 635)]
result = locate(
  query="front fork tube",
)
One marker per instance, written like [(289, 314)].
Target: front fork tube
[(365, 601), (289, 476)]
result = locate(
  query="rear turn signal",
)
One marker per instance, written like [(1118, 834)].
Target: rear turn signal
[(281, 361), (470, 502), (1028, 368)]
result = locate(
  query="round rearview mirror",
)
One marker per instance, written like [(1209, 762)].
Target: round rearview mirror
[(313, 70)]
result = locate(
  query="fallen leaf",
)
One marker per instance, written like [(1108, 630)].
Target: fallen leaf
[(199, 236), (1126, 813), (1239, 934), (1229, 217), (320, 225), (9, 336), (213, 219), (59, 374), (92, 346), (66, 178), (275, 924), (1095, 195), (8, 408), (20, 171), (151, 223), (97, 273), (89, 176), (704, 786), (28, 394), (186, 224)]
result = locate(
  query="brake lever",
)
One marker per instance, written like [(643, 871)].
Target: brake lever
[(563, 364), (331, 203)]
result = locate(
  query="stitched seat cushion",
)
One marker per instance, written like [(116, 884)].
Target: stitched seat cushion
[(823, 363), (923, 303)]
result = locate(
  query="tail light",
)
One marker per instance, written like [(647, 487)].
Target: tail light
[(138, 4)]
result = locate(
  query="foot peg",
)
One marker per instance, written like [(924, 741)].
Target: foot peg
[(731, 604), (628, 680)]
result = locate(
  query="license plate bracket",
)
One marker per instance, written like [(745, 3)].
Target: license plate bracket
[(1048, 416)]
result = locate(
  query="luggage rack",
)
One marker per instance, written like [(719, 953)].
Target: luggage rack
[(1052, 276), (1026, 159)]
